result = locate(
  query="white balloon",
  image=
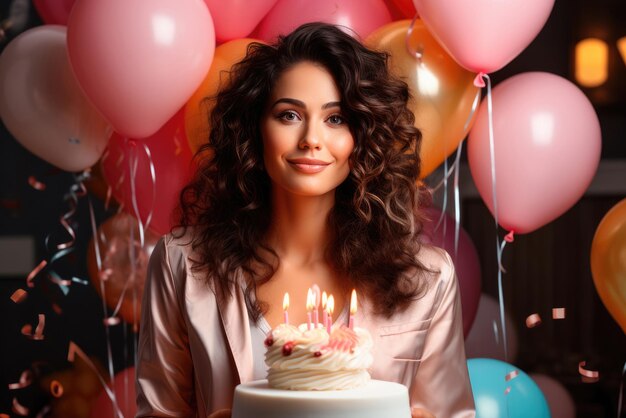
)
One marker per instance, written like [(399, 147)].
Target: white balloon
[(559, 399), (481, 341), (42, 105)]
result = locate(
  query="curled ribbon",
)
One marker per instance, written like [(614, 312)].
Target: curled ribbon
[(26, 379), (588, 376), (19, 296), (533, 320)]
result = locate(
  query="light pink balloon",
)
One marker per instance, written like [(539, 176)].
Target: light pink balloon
[(484, 35), (361, 16), (124, 387), (235, 19), (139, 61), (54, 12), (465, 260), (482, 341), (547, 149), (42, 105), (559, 399)]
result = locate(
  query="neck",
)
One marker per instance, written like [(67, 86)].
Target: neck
[(299, 232)]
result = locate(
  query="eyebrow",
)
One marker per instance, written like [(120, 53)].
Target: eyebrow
[(301, 104)]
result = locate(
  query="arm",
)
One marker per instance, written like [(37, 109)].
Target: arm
[(441, 384), (164, 368)]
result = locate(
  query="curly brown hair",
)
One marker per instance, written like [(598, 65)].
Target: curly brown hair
[(376, 218)]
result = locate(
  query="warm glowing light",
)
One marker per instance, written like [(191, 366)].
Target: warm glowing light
[(324, 300), (163, 29), (592, 62), (310, 300), (427, 82), (330, 305), (542, 126), (353, 302), (621, 45), (286, 302)]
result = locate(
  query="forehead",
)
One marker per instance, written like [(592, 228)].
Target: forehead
[(306, 81)]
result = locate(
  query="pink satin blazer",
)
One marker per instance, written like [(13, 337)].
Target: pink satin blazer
[(193, 349)]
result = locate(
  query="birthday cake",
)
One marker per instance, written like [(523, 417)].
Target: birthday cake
[(316, 374)]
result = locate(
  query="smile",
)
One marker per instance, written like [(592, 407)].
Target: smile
[(307, 165)]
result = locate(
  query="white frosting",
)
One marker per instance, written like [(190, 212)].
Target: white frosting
[(302, 359)]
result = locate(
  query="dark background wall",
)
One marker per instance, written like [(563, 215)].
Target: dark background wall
[(547, 268)]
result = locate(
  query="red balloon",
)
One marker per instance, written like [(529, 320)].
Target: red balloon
[(124, 388), (401, 9), (466, 261), (172, 161), (362, 16), (54, 12)]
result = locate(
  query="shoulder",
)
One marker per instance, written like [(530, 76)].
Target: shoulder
[(438, 261), (174, 250)]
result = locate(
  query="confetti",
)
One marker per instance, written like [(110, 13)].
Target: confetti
[(35, 184), (588, 376), (511, 375), (533, 320), (19, 409), (558, 313), (36, 270), (38, 335), (19, 296), (56, 388), (25, 380)]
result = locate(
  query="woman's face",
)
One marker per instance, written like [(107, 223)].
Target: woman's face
[(306, 140)]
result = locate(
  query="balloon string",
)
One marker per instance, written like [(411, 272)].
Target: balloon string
[(73, 351), (407, 40), (133, 162), (621, 393), (96, 243), (457, 201)]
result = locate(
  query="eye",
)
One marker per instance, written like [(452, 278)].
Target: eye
[(336, 119), (289, 116)]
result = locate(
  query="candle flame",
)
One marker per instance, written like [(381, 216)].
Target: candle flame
[(353, 302), (310, 300), (286, 302), (316, 295), (324, 300), (330, 304)]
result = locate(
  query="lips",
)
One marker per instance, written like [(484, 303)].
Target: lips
[(308, 165)]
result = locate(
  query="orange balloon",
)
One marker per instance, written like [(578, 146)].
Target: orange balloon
[(608, 262), (119, 277), (444, 95), (199, 106)]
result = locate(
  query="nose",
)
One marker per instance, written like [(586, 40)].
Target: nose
[(311, 138)]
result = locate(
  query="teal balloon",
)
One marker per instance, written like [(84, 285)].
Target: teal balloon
[(489, 385)]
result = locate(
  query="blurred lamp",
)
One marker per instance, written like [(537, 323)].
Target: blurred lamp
[(592, 62), (621, 45)]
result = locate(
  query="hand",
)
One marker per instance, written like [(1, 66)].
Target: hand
[(220, 413), (420, 413)]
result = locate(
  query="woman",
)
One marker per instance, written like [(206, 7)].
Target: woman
[(311, 180)]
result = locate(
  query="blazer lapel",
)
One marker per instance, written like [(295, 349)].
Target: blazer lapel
[(234, 315)]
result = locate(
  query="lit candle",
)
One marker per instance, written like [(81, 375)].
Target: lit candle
[(316, 302), (330, 307), (285, 307), (352, 309), (324, 311), (310, 301)]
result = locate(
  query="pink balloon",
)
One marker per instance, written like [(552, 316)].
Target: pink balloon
[(559, 400), (124, 387), (139, 61), (54, 12), (235, 19), (482, 342), (172, 161), (362, 16), (484, 35), (465, 260), (547, 149)]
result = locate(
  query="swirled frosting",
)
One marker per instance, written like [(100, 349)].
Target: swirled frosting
[(302, 359)]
